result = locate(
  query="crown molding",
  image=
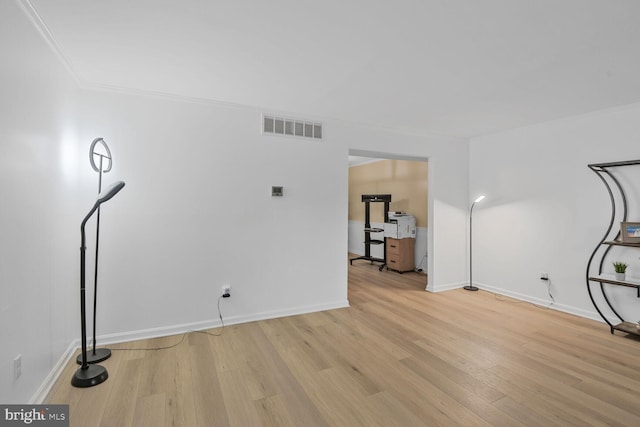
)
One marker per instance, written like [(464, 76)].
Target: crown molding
[(40, 25)]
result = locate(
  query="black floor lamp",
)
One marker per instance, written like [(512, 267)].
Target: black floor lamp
[(89, 375), (101, 153), (470, 287)]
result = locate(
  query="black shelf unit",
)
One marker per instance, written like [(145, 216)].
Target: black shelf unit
[(604, 246), (367, 199)]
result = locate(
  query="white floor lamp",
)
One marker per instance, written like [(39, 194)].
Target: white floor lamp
[(470, 286)]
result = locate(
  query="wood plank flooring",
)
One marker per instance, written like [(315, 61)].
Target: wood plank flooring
[(399, 356)]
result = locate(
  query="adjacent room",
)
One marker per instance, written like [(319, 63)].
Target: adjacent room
[(198, 155), (388, 213)]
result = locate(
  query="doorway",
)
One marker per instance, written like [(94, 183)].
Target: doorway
[(405, 179)]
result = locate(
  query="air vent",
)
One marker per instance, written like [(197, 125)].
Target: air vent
[(285, 126)]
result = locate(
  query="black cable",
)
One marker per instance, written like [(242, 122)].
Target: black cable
[(553, 301), (496, 296), (183, 336)]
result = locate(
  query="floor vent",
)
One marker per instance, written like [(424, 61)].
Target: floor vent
[(275, 125)]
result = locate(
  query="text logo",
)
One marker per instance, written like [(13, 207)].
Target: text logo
[(34, 415)]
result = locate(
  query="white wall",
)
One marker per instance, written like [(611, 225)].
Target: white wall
[(545, 210), (40, 213), (196, 211)]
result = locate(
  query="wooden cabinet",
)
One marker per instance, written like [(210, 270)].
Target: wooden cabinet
[(400, 254)]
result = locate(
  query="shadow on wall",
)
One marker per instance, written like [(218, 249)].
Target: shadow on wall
[(403, 205)]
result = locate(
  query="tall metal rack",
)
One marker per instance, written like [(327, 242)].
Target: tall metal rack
[(597, 259), (367, 199)]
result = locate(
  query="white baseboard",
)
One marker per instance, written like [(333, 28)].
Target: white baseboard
[(542, 302), (446, 287), (44, 389), (164, 331), (522, 297)]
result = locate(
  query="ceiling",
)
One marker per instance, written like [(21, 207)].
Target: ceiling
[(457, 68)]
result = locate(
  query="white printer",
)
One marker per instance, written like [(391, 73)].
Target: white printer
[(401, 225)]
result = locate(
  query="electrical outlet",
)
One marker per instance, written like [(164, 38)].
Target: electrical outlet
[(17, 367), (544, 276), (226, 291)]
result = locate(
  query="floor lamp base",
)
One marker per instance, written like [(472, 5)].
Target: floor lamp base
[(95, 357), (470, 288), (89, 376)]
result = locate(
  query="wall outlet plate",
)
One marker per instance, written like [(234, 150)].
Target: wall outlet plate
[(226, 290)]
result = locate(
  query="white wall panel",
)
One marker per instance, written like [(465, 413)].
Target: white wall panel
[(41, 202), (545, 210)]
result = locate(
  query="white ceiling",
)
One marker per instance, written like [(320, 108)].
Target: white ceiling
[(459, 68)]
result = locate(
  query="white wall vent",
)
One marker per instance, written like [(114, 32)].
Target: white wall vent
[(276, 125)]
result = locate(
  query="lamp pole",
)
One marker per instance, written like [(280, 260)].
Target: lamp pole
[(470, 287), (97, 354), (90, 375)]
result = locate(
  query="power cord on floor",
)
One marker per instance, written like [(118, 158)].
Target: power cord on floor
[(497, 297), (183, 336)]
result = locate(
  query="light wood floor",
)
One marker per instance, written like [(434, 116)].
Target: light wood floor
[(399, 356)]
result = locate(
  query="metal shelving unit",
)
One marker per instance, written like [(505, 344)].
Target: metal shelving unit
[(601, 251), (367, 199)]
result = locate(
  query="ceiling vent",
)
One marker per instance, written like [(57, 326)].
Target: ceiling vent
[(276, 125)]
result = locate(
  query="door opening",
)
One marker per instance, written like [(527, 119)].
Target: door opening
[(404, 179)]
